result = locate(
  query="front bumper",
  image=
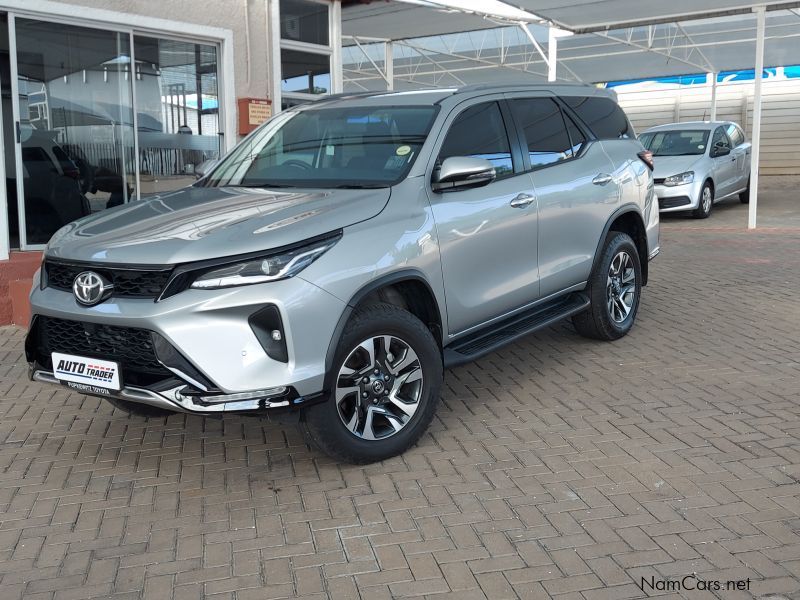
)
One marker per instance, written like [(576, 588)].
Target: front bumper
[(218, 360), (175, 399), (678, 198)]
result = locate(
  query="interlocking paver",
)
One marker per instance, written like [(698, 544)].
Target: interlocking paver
[(555, 467)]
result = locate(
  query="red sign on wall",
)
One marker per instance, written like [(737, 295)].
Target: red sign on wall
[(252, 113)]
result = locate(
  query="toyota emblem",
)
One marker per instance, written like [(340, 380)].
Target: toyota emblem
[(90, 288)]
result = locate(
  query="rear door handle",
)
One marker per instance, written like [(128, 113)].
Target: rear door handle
[(601, 179), (522, 200)]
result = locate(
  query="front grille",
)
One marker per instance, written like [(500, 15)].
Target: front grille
[(132, 348), (658, 180), (128, 283)]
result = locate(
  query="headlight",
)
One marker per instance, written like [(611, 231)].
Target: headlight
[(270, 267), (679, 179)]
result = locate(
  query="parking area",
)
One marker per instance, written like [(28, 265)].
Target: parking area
[(556, 467)]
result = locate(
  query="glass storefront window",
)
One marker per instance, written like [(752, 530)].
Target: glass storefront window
[(305, 72), (304, 21), (177, 102), (76, 124)]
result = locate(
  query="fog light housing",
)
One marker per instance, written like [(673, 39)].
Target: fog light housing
[(267, 326)]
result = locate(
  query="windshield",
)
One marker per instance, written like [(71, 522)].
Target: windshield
[(351, 147), (680, 142)]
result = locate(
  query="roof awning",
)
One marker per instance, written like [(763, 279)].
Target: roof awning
[(485, 52)]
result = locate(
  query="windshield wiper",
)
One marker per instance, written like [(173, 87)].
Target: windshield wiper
[(266, 184), (359, 186)]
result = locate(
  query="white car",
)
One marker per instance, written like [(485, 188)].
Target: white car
[(697, 164)]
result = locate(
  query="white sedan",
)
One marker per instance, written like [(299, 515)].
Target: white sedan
[(697, 164)]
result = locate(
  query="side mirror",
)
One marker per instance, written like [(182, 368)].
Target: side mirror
[(721, 149), (205, 167), (462, 172)]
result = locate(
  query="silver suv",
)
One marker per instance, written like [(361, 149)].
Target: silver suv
[(347, 252)]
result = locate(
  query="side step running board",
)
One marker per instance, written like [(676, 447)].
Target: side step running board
[(497, 335)]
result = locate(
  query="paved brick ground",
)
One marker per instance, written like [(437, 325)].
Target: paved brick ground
[(557, 467)]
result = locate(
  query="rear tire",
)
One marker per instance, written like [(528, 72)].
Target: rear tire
[(384, 387), (138, 410), (744, 197), (703, 210), (614, 290)]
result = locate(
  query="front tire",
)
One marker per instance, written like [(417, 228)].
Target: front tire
[(614, 290), (385, 381), (703, 210)]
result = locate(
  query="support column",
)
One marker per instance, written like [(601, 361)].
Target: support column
[(337, 77), (713, 77), (274, 28), (388, 65), (552, 53), (761, 14)]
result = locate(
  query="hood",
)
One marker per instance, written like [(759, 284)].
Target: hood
[(199, 223), (673, 165)]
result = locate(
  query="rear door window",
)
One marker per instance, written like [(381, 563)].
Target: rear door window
[(735, 134), (602, 115), (547, 137), (480, 132)]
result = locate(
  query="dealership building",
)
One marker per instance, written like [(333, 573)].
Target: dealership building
[(104, 103)]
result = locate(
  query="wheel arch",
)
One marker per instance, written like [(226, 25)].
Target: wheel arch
[(627, 219), (411, 286)]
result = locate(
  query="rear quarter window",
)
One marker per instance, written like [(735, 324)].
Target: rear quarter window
[(602, 115)]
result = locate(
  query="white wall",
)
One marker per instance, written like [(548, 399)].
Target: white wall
[(649, 104)]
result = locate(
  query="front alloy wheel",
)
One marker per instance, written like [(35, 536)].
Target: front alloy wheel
[(379, 387), (706, 203), (384, 387)]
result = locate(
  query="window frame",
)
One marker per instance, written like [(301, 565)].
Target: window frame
[(523, 140), (512, 135)]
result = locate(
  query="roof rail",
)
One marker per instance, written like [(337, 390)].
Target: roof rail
[(544, 84)]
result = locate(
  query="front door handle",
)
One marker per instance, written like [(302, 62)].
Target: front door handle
[(601, 179), (522, 200)]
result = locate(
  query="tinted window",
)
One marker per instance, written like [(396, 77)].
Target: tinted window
[(602, 115), (545, 130), (479, 132), (735, 134)]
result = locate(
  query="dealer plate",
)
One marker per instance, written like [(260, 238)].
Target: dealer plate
[(85, 374)]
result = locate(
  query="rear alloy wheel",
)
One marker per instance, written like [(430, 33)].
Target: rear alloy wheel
[(744, 197), (614, 290), (384, 387), (703, 209)]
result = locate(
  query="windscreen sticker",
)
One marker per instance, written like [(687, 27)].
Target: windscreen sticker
[(402, 150)]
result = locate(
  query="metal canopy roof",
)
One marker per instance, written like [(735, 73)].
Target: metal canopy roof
[(403, 19), (582, 16), (503, 54)]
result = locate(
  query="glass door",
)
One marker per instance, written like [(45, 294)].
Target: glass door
[(73, 124)]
